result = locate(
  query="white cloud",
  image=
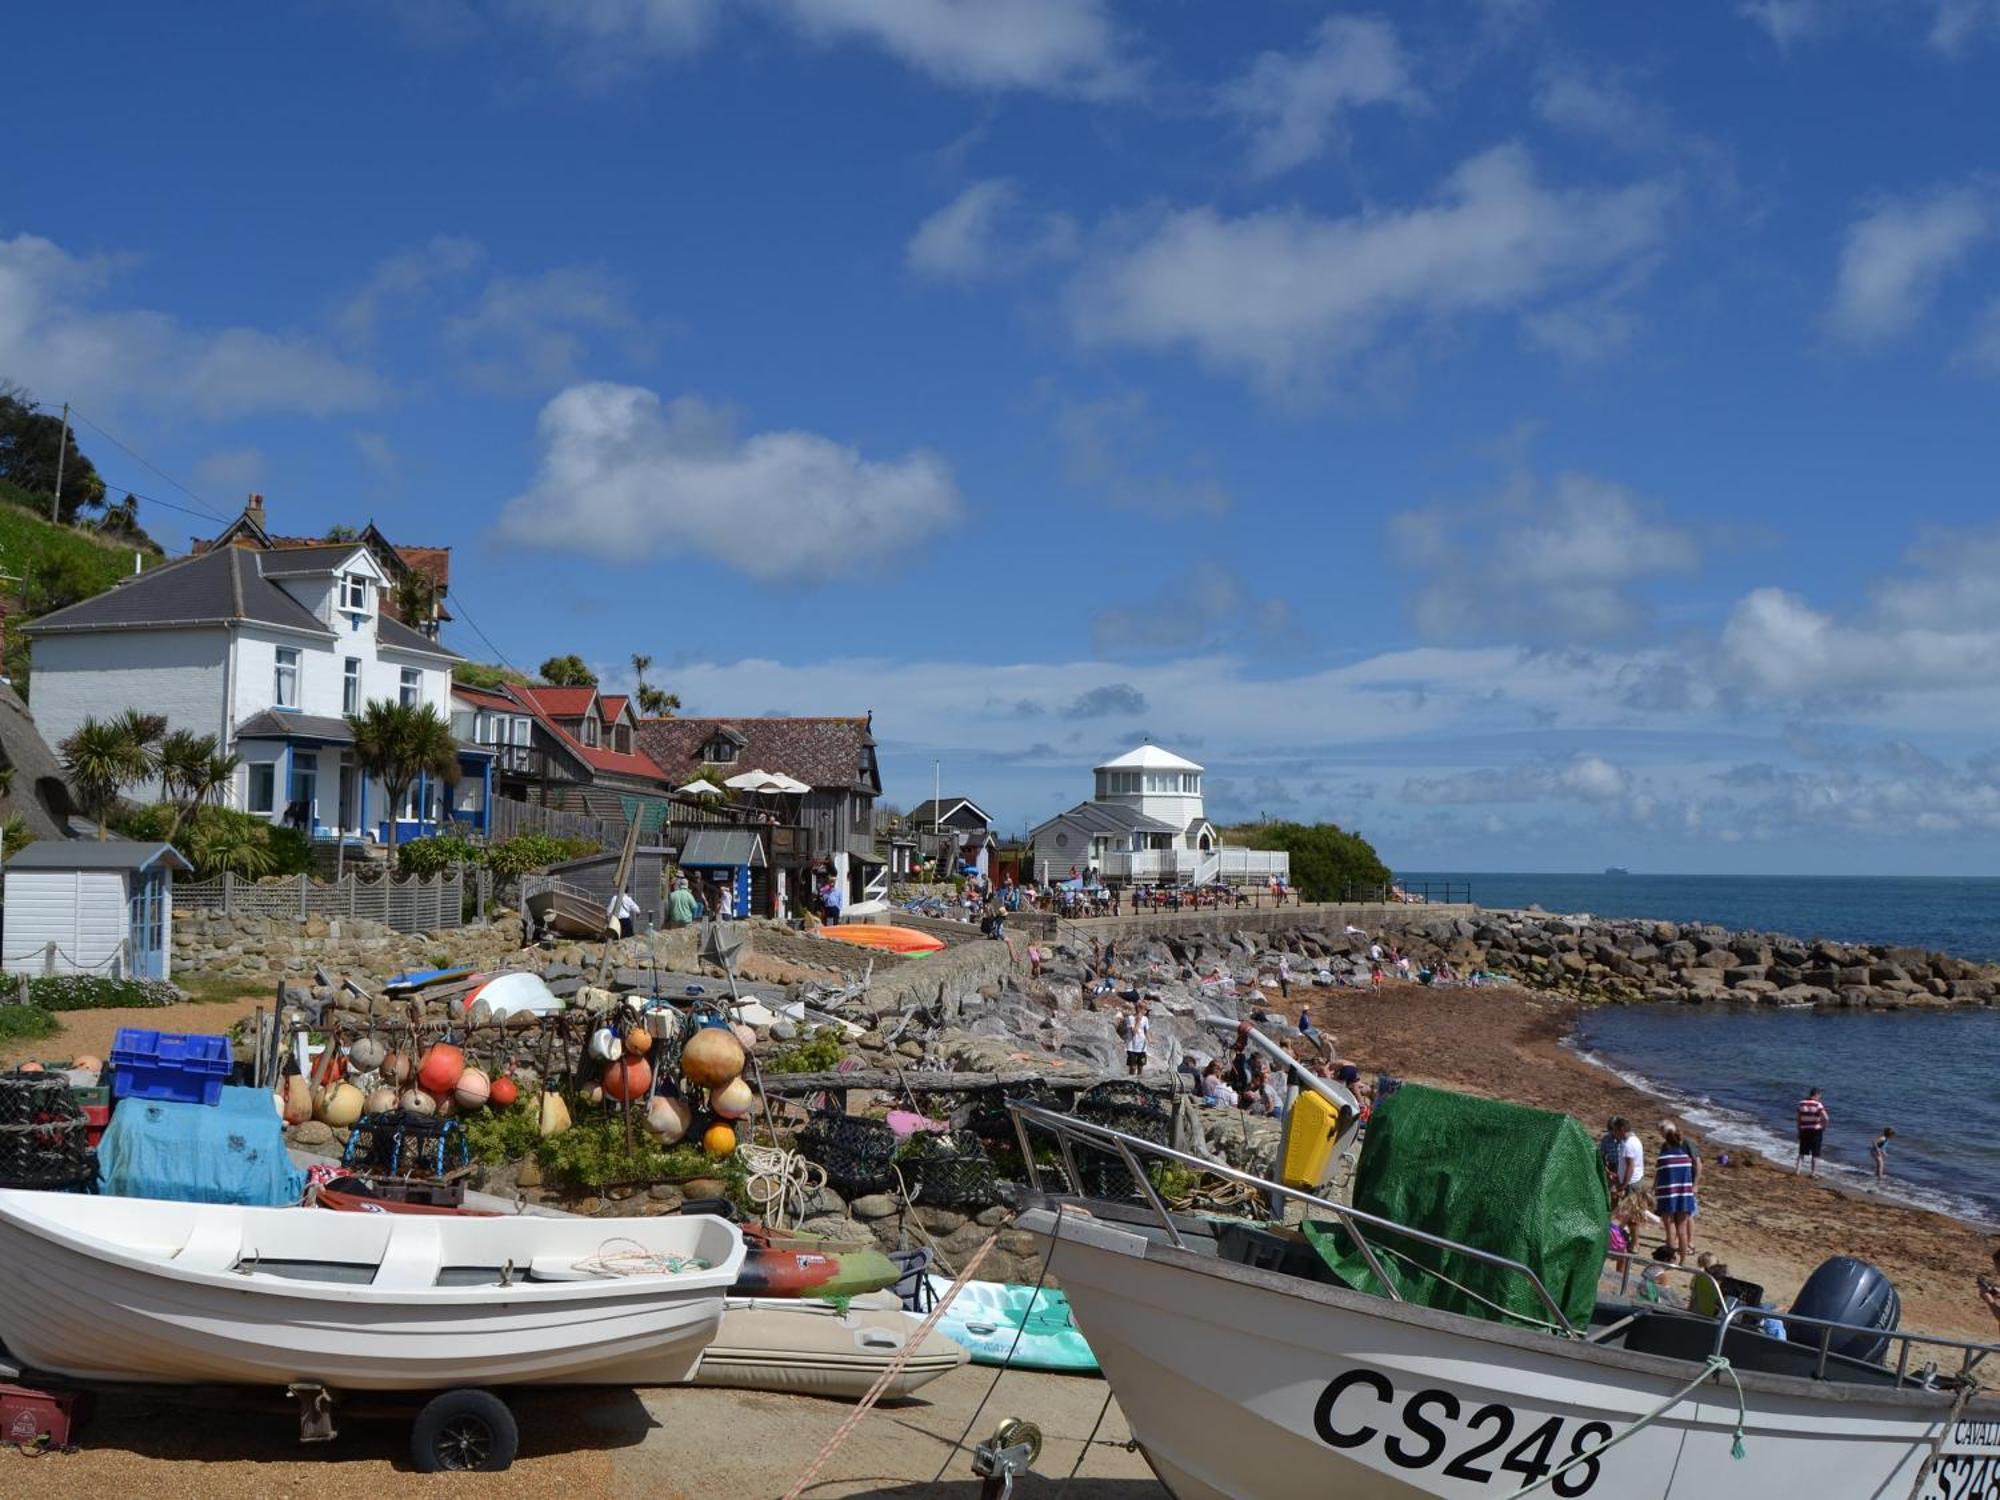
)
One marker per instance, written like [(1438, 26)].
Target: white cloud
[(1780, 644), (1066, 46), (1284, 295), (1957, 22), (406, 274), (1983, 347), (58, 339), (1198, 610), (1103, 445), (984, 232), (1584, 778), (225, 475), (528, 333), (1598, 105), (1292, 105), (1895, 258), (1786, 21), (626, 477), (609, 30), (1539, 565)]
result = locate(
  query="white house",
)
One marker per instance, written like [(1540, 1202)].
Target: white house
[(1146, 825), (81, 906), (267, 650)]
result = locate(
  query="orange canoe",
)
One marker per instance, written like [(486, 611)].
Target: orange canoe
[(892, 939)]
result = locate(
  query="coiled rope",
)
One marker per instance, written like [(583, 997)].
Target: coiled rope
[(782, 1184)]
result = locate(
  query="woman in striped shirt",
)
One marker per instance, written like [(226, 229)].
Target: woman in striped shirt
[(1675, 1172)]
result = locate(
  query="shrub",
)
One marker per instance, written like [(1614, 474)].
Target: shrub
[(436, 854), (291, 851), (54, 992), (502, 1135), (819, 1053), (592, 1153), (221, 840), (23, 1021), (535, 851)]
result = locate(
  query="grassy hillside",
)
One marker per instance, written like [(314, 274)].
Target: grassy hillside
[(480, 674), (48, 566)]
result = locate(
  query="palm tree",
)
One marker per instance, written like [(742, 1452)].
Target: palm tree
[(396, 743), (102, 759), (413, 595), (654, 703), (183, 761)]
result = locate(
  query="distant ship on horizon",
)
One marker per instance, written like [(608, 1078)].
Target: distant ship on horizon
[(1616, 870)]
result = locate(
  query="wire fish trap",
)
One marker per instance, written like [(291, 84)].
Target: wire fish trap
[(1128, 1107), (948, 1169), (857, 1154), (44, 1135)]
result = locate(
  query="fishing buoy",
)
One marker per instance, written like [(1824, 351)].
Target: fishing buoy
[(29, 1067), (555, 1114), (395, 1068), (638, 1042), (87, 1064), (605, 1045), (628, 1079), (733, 1100), (298, 1100), (744, 1036), (596, 1095), (441, 1068), (668, 1117), (381, 1099), (366, 1054), (503, 1093), (711, 1057), (417, 1102), (341, 1105), (718, 1140), (472, 1090)]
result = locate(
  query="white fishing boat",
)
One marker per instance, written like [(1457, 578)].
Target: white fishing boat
[(1244, 1381), (133, 1290), (815, 1348)]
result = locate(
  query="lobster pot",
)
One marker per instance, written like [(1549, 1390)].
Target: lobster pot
[(948, 1169), (44, 1134), (400, 1144), (990, 1122), (1128, 1107), (857, 1154)]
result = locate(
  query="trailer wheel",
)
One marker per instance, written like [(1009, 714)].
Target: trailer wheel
[(464, 1430)]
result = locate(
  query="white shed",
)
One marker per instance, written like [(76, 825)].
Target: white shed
[(80, 906)]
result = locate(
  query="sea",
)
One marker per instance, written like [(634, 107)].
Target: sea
[(1734, 1073)]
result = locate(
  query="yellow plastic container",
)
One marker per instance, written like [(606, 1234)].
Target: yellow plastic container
[(1310, 1129)]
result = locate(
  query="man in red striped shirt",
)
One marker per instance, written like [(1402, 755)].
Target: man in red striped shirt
[(1813, 1120)]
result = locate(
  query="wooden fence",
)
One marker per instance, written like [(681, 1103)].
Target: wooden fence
[(412, 905), (511, 817)]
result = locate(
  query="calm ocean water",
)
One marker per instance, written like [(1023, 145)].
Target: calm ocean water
[(1735, 1073)]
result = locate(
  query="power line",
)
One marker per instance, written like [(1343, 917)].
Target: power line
[(204, 510), (459, 611)]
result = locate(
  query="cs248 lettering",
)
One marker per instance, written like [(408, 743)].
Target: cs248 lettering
[(1429, 1427)]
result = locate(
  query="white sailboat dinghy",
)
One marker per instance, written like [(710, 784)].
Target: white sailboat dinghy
[(1248, 1373), (136, 1290)]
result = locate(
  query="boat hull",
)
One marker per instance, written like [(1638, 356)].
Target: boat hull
[(90, 1310), (1240, 1384), (818, 1349)]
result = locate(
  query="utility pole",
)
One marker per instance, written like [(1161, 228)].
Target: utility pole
[(62, 452)]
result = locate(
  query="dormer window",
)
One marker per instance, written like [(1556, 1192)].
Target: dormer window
[(720, 751), (354, 593), (590, 732)]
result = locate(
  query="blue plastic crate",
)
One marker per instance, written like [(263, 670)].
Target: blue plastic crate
[(168, 1065)]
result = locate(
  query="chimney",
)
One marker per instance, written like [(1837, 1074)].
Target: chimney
[(254, 509)]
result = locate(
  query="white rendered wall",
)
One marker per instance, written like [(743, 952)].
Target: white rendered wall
[(100, 674)]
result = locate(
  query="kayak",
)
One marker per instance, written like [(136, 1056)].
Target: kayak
[(418, 979), (812, 1271), (516, 990), (904, 940), (1004, 1323)]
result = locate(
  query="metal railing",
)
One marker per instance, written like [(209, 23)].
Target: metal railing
[(1065, 1128), (414, 904), (1971, 1351)]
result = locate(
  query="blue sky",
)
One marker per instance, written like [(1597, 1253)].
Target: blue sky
[(1535, 438)]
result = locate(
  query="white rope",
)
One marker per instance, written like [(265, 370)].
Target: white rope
[(782, 1184), (1716, 1365), (636, 1260)]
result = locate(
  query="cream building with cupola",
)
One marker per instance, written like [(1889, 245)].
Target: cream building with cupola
[(1146, 825)]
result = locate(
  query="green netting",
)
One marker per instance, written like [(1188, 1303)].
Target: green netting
[(1523, 1183)]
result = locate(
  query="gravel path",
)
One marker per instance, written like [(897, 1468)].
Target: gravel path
[(90, 1031)]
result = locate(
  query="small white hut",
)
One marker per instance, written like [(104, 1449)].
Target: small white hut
[(80, 906)]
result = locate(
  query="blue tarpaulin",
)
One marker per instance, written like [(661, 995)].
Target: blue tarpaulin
[(230, 1152)]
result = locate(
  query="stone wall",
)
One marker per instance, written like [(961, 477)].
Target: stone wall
[(213, 943)]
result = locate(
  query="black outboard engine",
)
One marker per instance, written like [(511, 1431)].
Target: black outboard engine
[(1846, 1290)]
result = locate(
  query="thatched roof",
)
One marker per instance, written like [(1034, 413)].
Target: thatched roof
[(38, 794)]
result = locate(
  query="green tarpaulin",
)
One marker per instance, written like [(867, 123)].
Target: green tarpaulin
[(1523, 1183)]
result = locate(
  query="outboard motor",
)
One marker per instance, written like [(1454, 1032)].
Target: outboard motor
[(1846, 1290)]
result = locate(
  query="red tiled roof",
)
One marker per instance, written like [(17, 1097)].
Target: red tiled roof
[(822, 752), (611, 705), (559, 702), (597, 757), (483, 697)]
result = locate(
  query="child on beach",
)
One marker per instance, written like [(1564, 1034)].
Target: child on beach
[(1653, 1280), (1880, 1151)]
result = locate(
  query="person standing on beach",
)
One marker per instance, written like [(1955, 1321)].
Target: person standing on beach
[(1674, 1177), (1813, 1120), (1611, 1151), (1631, 1164), (1880, 1151), (1136, 1027)]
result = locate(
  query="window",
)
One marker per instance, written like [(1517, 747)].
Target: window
[(350, 686), (720, 751), (354, 593), (285, 688), (263, 786), (590, 732), (623, 737), (412, 691)]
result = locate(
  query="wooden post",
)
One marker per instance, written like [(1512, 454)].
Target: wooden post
[(228, 894), (49, 958), (304, 885)]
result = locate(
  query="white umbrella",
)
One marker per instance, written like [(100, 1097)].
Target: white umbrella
[(786, 784), (700, 789), (750, 781)]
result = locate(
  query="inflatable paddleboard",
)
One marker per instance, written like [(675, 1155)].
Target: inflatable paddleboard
[(1003, 1323)]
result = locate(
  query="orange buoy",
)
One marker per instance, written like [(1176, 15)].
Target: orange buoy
[(711, 1057), (396, 1069), (441, 1068), (638, 1041), (718, 1140), (627, 1079), (504, 1092)]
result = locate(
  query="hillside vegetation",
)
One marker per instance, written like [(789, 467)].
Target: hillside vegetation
[(1328, 862), (48, 566)]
